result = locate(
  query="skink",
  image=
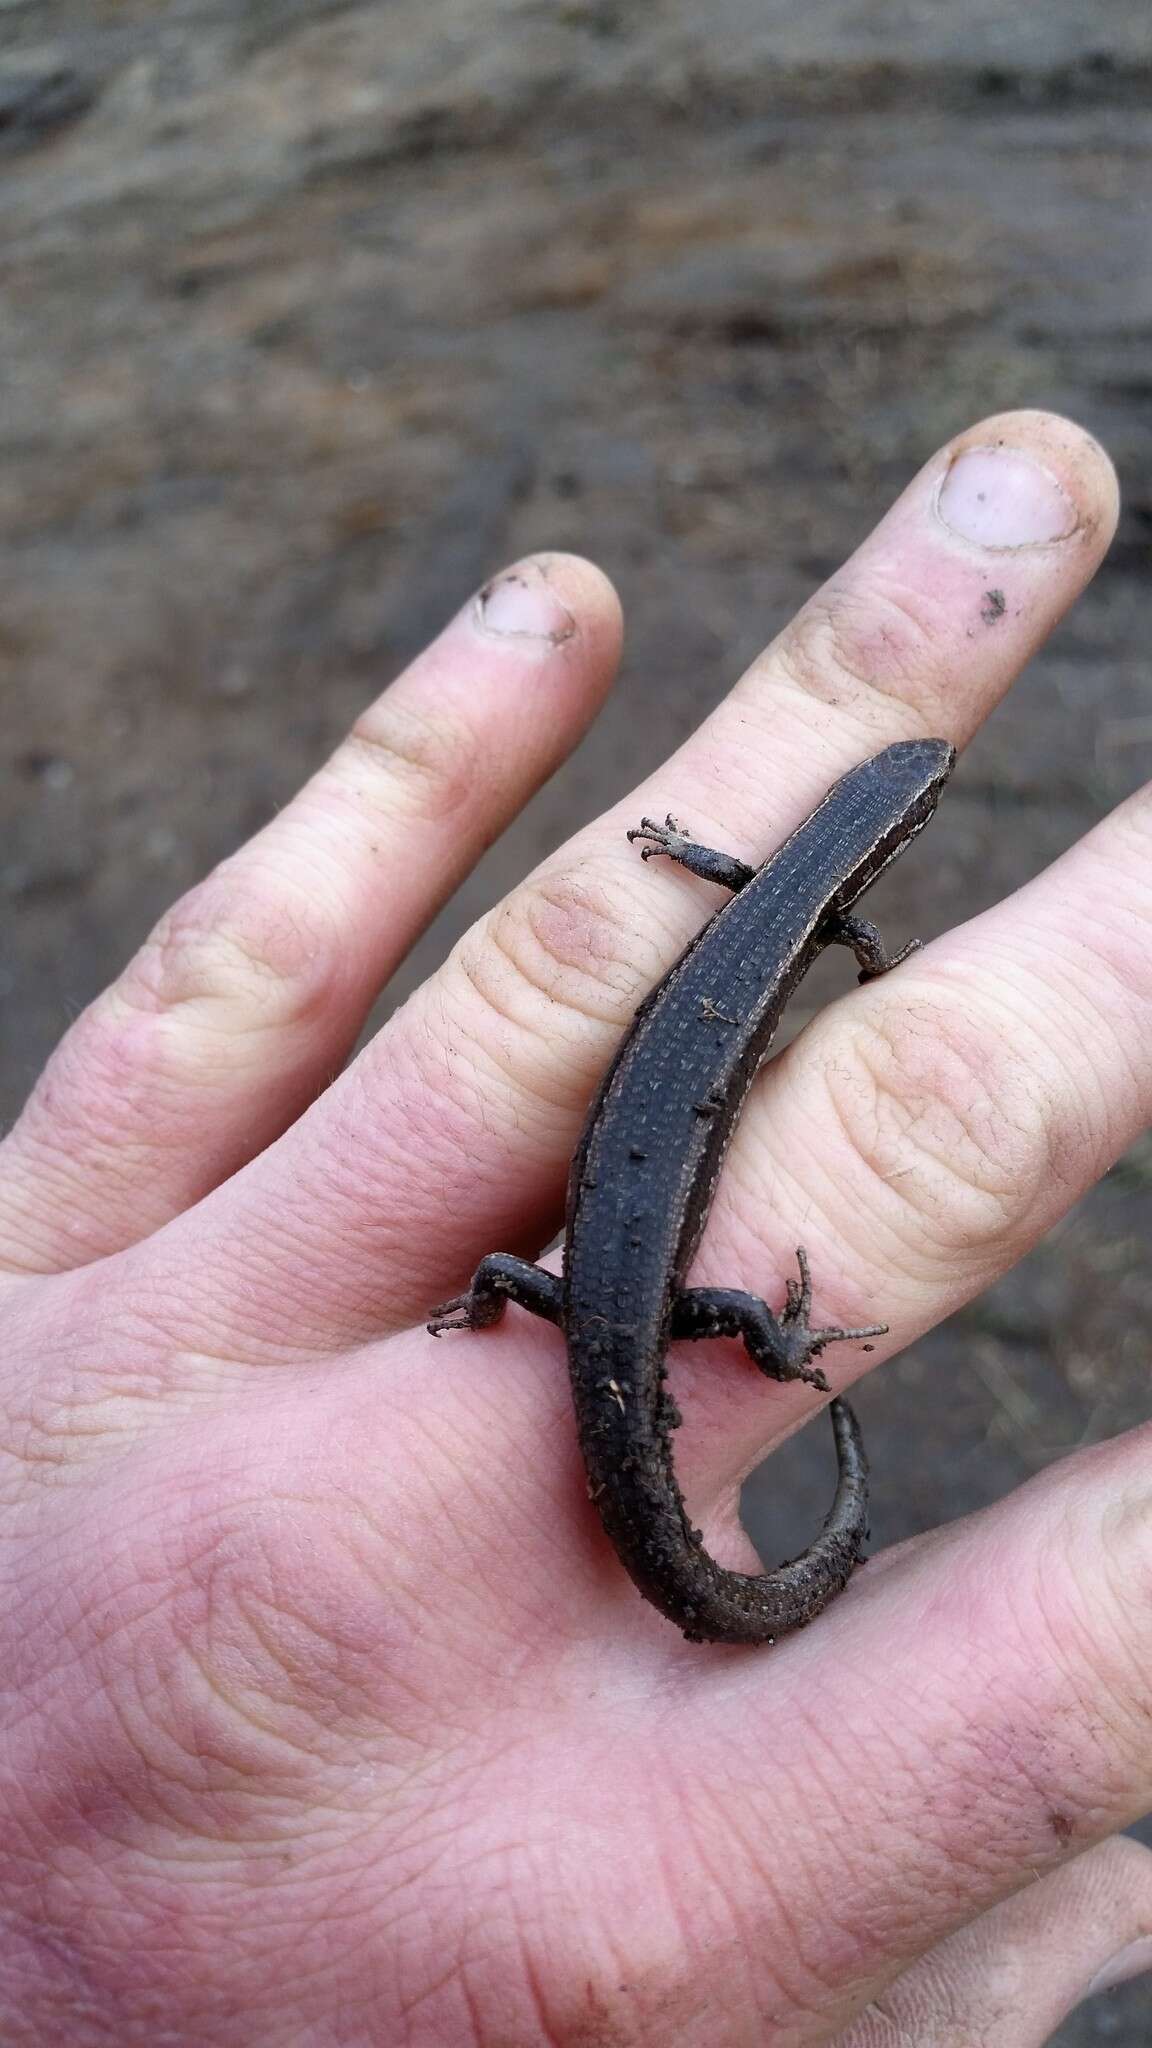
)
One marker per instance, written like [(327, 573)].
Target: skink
[(642, 1182)]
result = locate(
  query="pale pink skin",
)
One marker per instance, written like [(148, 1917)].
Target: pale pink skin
[(331, 1718)]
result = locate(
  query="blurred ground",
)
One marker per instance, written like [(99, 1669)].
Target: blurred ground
[(312, 314)]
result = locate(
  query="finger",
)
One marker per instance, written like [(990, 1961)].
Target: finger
[(245, 1000), (481, 1084), (970, 1715), (921, 1136), (1009, 1979)]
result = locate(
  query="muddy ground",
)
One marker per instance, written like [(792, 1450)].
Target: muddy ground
[(313, 314)]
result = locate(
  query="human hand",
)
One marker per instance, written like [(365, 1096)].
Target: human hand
[(331, 1719)]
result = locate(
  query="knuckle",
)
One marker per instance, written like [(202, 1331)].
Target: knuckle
[(268, 954), (413, 766), (35, 1448), (59, 1418), (1107, 1545), (952, 1109), (879, 642), (246, 1601), (312, 1596), (554, 968)]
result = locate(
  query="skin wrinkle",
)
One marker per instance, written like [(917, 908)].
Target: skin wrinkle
[(198, 1787), (295, 1340), (150, 1944), (430, 1993), (1036, 1008), (439, 1077), (1111, 1057), (1084, 1129), (533, 1981), (780, 726), (420, 767), (72, 2001), (279, 979), (660, 912), (459, 1559), (173, 1325), (897, 2034), (874, 641), (479, 1085), (1123, 959), (153, 1381), (842, 1941), (580, 934), (495, 1008), (118, 1937), (292, 1538), (615, 1995), (944, 1763), (203, 1739), (226, 942), (717, 792), (1017, 1799), (920, 1061), (620, 1989), (1021, 968), (536, 1086), (819, 1948), (851, 1233), (76, 1401), (359, 1172), (768, 1189), (585, 923), (768, 1905), (878, 644), (54, 1184), (81, 1627), (121, 1157), (228, 1695), (486, 1539), (1122, 1548), (483, 1086), (451, 1937)]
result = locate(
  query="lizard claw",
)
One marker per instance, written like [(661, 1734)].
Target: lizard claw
[(451, 1315), (803, 1342), (798, 1293), (665, 838)]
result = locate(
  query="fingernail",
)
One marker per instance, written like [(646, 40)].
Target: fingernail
[(523, 604), (1132, 1961), (1001, 498)]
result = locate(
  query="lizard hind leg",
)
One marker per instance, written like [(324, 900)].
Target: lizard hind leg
[(499, 1279), (783, 1346)]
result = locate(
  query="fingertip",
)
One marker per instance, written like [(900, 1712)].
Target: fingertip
[(515, 678), (1072, 459), (591, 591), (559, 598)]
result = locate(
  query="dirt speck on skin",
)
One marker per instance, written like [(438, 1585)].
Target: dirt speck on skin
[(994, 606)]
